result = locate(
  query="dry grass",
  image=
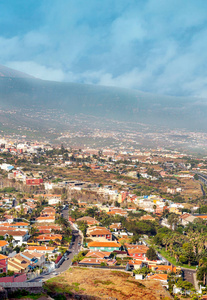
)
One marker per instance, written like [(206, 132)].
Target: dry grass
[(105, 284)]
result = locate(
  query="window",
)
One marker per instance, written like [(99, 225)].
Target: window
[(1, 270)]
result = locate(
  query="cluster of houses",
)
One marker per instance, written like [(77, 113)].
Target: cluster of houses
[(107, 249), (22, 255)]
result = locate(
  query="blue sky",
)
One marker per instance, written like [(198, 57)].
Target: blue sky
[(158, 46)]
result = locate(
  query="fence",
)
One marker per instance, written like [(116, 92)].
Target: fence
[(21, 284), (102, 267)]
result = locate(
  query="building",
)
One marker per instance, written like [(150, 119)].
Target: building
[(90, 221), (3, 264), (104, 246), (19, 237), (41, 249), (46, 219), (97, 233), (34, 181), (3, 245), (138, 252)]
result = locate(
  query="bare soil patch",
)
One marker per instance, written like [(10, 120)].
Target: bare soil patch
[(105, 284)]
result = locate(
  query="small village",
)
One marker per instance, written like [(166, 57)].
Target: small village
[(142, 216)]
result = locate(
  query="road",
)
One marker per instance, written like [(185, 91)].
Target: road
[(74, 249), (189, 275)]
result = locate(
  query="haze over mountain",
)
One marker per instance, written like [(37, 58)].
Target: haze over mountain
[(21, 91)]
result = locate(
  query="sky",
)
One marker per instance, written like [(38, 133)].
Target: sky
[(157, 46)]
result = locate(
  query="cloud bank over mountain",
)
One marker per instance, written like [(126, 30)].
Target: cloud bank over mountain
[(156, 46)]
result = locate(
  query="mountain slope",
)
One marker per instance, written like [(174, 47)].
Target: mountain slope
[(19, 90)]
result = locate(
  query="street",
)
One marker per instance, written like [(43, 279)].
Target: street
[(74, 249)]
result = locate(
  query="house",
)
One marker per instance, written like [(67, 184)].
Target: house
[(186, 219), (3, 263), (9, 218), (34, 181), (135, 265), (19, 237), (90, 221), (54, 201), (48, 228), (20, 225), (19, 264), (41, 249), (98, 254), (116, 226), (49, 237), (147, 218), (138, 252), (34, 257), (48, 211), (3, 245), (104, 246), (163, 268), (46, 219), (96, 233), (97, 261)]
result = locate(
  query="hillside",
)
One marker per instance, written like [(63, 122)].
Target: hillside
[(20, 91)]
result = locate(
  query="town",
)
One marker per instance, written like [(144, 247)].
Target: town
[(142, 212)]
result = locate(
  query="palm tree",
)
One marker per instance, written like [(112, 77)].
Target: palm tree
[(9, 239), (203, 265), (166, 241)]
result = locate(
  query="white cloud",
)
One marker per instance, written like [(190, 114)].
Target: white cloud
[(155, 46), (37, 70)]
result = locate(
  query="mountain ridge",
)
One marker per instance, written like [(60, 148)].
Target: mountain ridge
[(19, 90)]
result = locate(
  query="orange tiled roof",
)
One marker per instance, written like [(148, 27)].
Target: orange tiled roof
[(3, 256), (137, 250), (49, 237), (99, 254), (40, 248), (158, 277), (163, 268), (20, 224), (46, 218), (104, 244), (95, 261), (103, 231), (3, 243)]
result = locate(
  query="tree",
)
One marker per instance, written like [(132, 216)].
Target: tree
[(143, 271), (151, 254), (188, 253), (173, 220), (202, 270), (117, 204), (33, 230), (154, 207), (9, 239), (184, 285), (134, 239), (83, 227), (196, 177)]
